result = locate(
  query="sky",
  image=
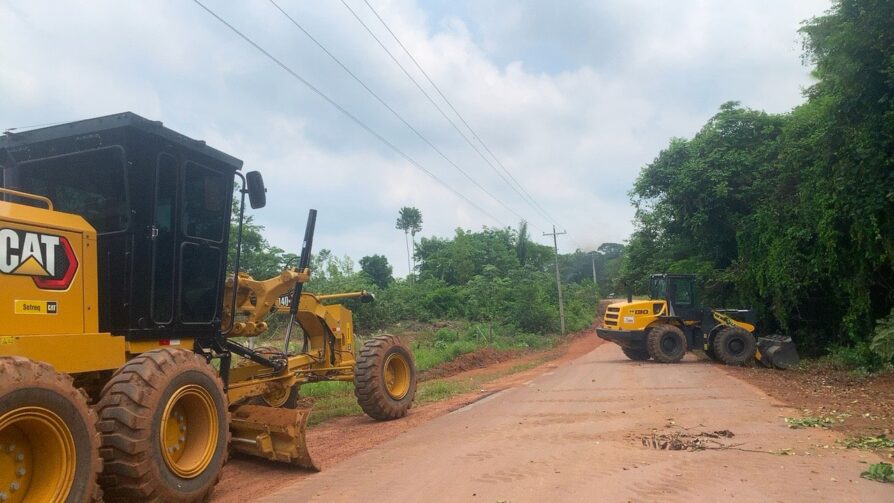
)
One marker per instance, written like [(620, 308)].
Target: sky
[(572, 98)]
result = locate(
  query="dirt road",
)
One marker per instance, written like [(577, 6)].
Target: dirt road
[(576, 433)]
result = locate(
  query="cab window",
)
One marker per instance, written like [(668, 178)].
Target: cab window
[(683, 294), (91, 184), (206, 202)]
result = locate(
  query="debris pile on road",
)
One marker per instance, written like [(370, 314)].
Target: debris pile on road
[(682, 441)]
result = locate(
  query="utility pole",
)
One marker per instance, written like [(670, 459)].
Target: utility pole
[(593, 262), (555, 234)]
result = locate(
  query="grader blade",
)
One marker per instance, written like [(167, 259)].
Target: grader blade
[(272, 433)]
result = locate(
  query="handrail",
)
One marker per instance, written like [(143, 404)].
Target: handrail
[(42, 199)]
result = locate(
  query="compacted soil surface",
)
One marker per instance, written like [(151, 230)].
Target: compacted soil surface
[(594, 428)]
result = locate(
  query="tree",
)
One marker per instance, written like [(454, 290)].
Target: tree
[(521, 244), (378, 269), (409, 220)]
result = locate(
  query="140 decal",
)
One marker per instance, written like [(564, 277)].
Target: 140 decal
[(48, 259)]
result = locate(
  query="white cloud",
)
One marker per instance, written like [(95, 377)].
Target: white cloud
[(572, 97)]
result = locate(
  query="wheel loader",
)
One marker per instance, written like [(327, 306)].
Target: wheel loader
[(126, 366), (671, 322)]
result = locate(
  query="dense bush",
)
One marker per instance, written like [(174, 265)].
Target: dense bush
[(792, 214)]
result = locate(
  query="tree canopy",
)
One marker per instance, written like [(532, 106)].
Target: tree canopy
[(790, 213)]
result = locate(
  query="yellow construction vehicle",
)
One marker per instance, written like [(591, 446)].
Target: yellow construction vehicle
[(671, 322), (120, 374)]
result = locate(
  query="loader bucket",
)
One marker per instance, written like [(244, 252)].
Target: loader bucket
[(272, 433), (777, 351)]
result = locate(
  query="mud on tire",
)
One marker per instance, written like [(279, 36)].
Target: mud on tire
[(385, 378), (160, 389), (666, 344), (55, 403), (639, 355), (734, 346)]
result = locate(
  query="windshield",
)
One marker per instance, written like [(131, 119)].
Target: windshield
[(658, 288), (90, 184)]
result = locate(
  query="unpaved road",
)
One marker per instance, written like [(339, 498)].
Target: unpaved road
[(574, 434)]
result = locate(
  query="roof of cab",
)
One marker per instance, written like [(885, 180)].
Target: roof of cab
[(12, 139)]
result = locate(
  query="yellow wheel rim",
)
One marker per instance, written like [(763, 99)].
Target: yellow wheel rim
[(397, 376), (189, 431), (34, 438)]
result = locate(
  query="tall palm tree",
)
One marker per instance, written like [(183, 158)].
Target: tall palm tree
[(409, 220)]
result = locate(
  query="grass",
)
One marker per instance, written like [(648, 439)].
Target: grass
[(880, 472)]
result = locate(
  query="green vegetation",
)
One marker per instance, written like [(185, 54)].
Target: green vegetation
[(868, 443), (792, 214), (815, 422), (880, 472)]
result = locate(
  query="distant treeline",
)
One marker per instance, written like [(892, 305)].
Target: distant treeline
[(792, 214)]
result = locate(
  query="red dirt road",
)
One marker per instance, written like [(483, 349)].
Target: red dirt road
[(575, 434), (245, 477)]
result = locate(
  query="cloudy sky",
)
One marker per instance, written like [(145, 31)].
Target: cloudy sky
[(572, 98)]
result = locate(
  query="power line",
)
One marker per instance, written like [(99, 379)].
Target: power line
[(530, 199), (344, 111), (390, 109), (424, 93)]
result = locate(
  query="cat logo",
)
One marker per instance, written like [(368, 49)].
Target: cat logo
[(48, 259)]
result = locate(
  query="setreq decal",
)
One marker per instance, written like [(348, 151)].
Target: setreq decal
[(48, 259)]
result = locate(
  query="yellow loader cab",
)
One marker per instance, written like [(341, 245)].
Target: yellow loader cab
[(670, 323), (120, 297)]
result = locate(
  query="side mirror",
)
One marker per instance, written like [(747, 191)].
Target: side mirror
[(257, 193)]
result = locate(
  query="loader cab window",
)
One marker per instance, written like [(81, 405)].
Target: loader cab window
[(658, 288), (91, 184), (682, 292), (206, 202)]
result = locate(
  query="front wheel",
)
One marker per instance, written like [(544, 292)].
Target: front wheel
[(385, 378), (165, 428), (49, 446)]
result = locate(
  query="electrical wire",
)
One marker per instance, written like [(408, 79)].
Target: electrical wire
[(391, 109), (344, 111), (524, 193)]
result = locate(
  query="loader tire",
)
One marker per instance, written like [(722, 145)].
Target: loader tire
[(734, 346), (666, 344), (385, 378), (165, 428), (48, 435), (639, 355)]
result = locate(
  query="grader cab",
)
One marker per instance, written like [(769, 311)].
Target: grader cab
[(126, 336)]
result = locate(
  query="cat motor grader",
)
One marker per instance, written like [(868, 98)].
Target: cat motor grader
[(671, 322), (121, 376)]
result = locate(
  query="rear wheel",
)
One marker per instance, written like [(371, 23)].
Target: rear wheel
[(385, 378), (49, 446), (734, 346), (666, 344), (165, 428), (639, 355)]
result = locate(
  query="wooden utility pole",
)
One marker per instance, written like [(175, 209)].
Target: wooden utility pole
[(555, 234)]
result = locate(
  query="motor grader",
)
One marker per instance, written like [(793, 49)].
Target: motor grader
[(671, 322), (126, 366)]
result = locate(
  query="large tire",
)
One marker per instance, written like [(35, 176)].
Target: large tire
[(385, 378), (734, 346), (639, 355), (165, 428), (666, 344), (47, 435)]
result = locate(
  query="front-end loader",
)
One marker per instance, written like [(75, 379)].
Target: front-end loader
[(671, 322), (126, 367)]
